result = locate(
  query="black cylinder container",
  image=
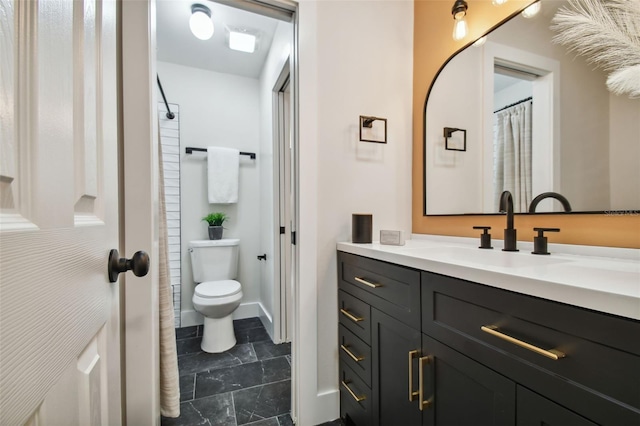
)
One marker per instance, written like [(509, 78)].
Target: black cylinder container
[(361, 228)]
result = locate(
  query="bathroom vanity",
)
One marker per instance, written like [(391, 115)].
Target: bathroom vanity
[(436, 333)]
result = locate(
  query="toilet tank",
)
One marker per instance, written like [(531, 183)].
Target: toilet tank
[(214, 260)]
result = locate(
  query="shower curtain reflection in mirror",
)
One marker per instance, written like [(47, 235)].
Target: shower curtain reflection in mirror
[(512, 154)]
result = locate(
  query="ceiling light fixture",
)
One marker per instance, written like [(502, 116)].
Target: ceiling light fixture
[(459, 11), (498, 2), (242, 41), (532, 10), (200, 22)]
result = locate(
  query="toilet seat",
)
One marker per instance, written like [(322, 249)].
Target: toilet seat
[(214, 289)]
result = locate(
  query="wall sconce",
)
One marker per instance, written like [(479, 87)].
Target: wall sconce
[(200, 22), (370, 131), (448, 132), (459, 11)]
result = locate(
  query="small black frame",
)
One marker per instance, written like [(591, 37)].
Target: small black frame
[(367, 121), (448, 131)]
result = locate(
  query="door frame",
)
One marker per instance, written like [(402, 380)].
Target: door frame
[(139, 211), (138, 156), (282, 209)]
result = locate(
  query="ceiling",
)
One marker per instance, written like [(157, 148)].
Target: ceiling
[(501, 82), (176, 44)]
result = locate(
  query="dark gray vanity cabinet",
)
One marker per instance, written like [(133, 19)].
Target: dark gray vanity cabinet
[(379, 325), (480, 355), (463, 392), (584, 362), (395, 346)]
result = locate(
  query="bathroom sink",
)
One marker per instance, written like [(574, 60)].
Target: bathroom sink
[(488, 258)]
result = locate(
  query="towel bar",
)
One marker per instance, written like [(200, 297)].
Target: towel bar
[(189, 150)]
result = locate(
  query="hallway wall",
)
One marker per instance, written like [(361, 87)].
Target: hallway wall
[(269, 239), (356, 58)]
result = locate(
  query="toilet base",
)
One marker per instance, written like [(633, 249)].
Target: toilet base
[(218, 335)]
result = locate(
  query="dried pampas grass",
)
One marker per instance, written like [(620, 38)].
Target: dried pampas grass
[(607, 33)]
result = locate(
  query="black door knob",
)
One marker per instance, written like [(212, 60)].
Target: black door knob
[(139, 264)]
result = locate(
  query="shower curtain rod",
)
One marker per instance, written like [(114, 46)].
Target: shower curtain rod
[(190, 150), (170, 115), (514, 104)]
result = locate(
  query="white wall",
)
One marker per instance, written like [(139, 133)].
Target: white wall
[(512, 94), (454, 179), (217, 110), (624, 154), (356, 58), (281, 48), (170, 143)]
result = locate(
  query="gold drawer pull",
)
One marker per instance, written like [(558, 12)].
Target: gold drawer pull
[(412, 393), (351, 316), (367, 283), (356, 397), (551, 353), (353, 357), (421, 402)]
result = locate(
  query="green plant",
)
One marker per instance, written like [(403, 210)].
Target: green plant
[(215, 219)]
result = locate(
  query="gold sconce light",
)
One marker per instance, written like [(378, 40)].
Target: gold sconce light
[(459, 12)]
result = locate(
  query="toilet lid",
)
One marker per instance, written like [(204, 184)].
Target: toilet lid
[(218, 288)]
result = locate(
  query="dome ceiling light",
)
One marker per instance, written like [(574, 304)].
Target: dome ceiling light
[(200, 22)]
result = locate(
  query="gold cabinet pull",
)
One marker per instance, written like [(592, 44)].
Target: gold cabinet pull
[(353, 395), (351, 316), (367, 283), (412, 393), (422, 403), (353, 357), (551, 353)]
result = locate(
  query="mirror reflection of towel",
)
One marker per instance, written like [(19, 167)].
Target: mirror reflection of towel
[(223, 165)]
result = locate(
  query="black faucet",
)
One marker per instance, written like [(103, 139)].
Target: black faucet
[(506, 205), (562, 199)]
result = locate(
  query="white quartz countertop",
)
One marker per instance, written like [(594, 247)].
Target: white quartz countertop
[(598, 282)]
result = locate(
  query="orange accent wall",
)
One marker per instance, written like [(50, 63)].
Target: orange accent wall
[(433, 45)]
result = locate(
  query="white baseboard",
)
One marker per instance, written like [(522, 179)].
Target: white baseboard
[(245, 310), (267, 321), (324, 408), (189, 318), (329, 401)]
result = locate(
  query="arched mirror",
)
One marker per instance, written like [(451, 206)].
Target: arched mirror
[(573, 136)]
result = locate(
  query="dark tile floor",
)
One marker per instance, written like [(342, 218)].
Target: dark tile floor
[(250, 384)]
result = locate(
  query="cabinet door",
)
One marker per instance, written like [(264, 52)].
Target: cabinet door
[(392, 341), (462, 391), (534, 410)]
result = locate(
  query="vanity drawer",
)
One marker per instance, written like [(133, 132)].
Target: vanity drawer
[(355, 353), (355, 315), (355, 398), (391, 288), (518, 335)]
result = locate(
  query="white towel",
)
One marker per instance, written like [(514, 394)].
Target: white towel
[(223, 167)]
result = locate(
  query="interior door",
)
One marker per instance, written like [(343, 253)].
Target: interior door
[(283, 146), (59, 314)]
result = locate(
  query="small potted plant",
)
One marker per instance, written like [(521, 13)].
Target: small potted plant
[(215, 221)]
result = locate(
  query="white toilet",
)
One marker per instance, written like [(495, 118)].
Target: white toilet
[(215, 265)]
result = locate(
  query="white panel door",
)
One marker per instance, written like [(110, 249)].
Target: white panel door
[(59, 314)]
